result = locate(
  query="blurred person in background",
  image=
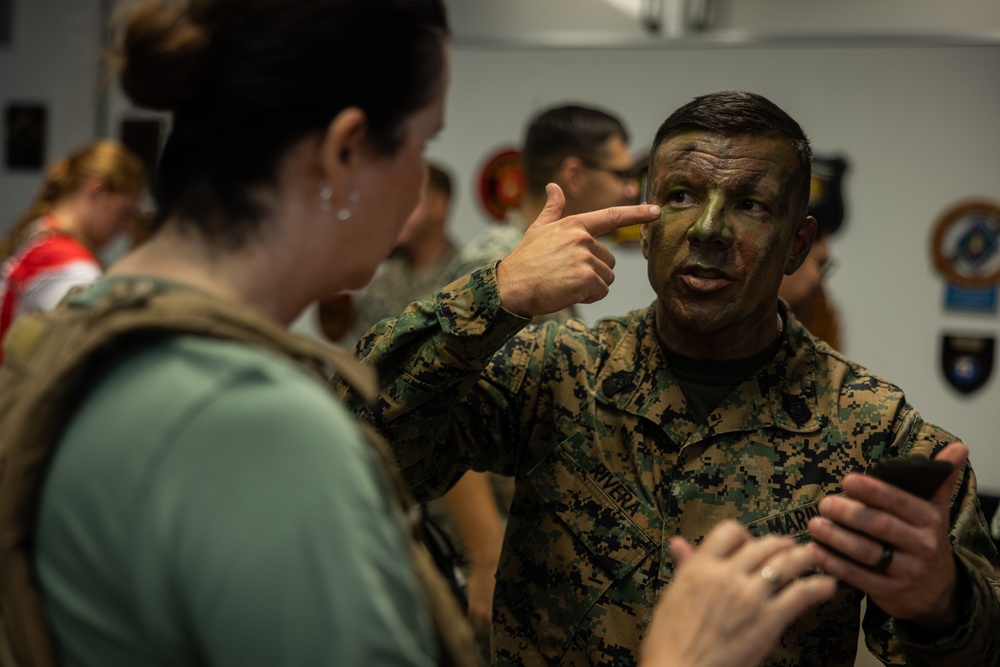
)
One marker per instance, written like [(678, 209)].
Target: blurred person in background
[(804, 290), (88, 198), (581, 149), (423, 260)]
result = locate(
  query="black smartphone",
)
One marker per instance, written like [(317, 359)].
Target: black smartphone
[(915, 474)]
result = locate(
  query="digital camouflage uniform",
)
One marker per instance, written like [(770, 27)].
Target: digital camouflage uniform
[(395, 285), (609, 465)]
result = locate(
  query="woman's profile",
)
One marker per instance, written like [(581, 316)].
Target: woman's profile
[(87, 198)]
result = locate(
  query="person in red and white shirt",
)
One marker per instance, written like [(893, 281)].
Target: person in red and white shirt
[(87, 199)]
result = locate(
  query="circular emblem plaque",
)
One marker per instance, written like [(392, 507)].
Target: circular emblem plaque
[(501, 183), (966, 244)]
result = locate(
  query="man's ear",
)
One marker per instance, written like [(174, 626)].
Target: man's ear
[(571, 177), (437, 205), (343, 146), (801, 244), (644, 240)]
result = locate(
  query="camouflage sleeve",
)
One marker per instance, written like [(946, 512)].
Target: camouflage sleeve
[(429, 360), (975, 642)]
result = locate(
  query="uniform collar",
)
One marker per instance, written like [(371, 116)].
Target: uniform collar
[(781, 395)]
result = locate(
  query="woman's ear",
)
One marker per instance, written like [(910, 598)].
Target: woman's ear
[(342, 146), (94, 187)]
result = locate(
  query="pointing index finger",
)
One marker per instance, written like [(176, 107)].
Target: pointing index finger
[(607, 220)]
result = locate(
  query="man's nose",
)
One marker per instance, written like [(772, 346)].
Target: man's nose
[(710, 229)]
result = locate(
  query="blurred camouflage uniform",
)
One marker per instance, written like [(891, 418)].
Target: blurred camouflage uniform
[(395, 286), (492, 244), (609, 465)]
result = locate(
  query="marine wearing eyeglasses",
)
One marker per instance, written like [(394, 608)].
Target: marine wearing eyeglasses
[(585, 152)]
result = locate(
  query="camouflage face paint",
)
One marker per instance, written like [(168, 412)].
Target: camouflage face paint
[(731, 223)]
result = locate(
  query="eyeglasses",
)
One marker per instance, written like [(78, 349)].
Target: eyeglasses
[(827, 268), (626, 176)]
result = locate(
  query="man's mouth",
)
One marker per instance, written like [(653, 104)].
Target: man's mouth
[(704, 279)]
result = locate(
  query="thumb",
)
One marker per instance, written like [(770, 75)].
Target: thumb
[(956, 453), (555, 204)]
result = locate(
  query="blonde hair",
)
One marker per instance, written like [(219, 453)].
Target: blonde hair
[(111, 163)]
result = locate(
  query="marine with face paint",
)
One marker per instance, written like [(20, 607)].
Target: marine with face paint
[(733, 223), (712, 404)]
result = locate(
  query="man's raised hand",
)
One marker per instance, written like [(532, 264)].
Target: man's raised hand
[(559, 261)]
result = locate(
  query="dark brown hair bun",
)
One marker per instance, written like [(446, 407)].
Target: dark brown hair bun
[(163, 56)]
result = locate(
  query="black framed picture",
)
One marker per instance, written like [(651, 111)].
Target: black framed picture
[(6, 21), (25, 130)]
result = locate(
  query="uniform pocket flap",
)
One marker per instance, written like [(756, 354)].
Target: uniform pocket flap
[(595, 506)]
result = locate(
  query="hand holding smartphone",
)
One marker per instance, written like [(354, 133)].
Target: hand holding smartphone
[(916, 474)]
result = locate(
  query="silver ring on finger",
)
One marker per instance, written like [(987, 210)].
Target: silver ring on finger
[(771, 575)]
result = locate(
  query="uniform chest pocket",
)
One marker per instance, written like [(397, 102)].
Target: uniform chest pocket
[(572, 559), (597, 509)]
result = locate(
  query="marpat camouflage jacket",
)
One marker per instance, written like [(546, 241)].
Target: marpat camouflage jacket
[(608, 465)]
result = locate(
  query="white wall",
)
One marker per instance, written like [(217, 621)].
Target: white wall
[(919, 126), (53, 59)]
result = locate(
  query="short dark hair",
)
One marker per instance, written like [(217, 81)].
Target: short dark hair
[(438, 179), (734, 112), (560, 132), (246, 79)]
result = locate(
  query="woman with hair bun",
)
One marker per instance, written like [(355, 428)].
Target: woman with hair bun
[(87, 198), (206, 499), (178, 483)]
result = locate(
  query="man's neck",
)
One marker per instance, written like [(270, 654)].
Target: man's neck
[(67, 215), (531, 206), (721, 346)]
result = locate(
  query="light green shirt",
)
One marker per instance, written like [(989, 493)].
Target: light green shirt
[(210, 504)]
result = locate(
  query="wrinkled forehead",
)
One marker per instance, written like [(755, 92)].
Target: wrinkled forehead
[(736, 161), (710, 149)]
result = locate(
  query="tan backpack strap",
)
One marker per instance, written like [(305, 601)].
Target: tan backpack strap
[(454, 633), (31, 398)]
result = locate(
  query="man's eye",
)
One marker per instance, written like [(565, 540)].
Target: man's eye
[(752, 206), (680, 197)]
